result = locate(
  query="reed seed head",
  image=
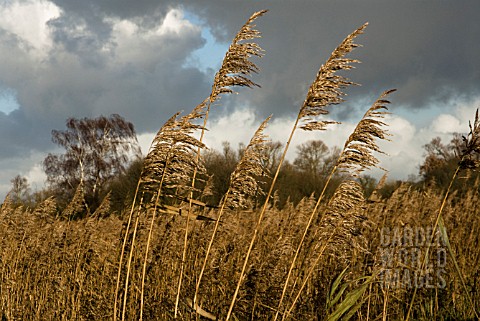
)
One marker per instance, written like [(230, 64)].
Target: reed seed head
[(236, 65), (47, 208), (469, 158), (357, 154), (327, 87), (244, 179), (77, 205), (343, 218), (172, 159)]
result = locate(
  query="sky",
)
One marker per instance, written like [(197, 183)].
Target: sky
[(147, 59)]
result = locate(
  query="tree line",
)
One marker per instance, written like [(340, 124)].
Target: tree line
[(102, 155)]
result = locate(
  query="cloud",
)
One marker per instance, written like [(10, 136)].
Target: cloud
[(28, 165), (28, 20), (66, 60), (446, 124), (404, 152), (140, 10), (425, 49)]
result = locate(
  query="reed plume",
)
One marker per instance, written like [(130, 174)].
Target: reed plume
[(234, 71), (339, 230), (244, 179), (469, 157), (104, 208), (327, 87), (235, 68), (7, 204), (375, 196), (172, 157), (325, 90), (355, 157), (47, 208), (343, 218), (171, 164), (77, 205), (236, 65)]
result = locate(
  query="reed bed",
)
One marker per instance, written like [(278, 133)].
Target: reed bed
[(53, 269)]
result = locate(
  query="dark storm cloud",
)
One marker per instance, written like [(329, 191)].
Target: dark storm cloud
[(17, 133), (141, 78), (428, 50), (87, 43)]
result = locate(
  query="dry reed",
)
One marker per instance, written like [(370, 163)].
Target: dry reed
[(355, 157), (324, 91), (235, 68), (51, 268)]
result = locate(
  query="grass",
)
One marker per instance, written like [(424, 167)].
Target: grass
[(168, 256)]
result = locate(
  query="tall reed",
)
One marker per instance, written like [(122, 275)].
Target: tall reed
[(325, 90), (234, 71), (173, 158), (167, 166), (337, 227), (355, 157), (235, 68), (168, 123)]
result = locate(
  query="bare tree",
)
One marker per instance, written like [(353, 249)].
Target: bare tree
[(441, 160), (437, 158), (95, 151), (272, 155), (20, 191), (311, 156)]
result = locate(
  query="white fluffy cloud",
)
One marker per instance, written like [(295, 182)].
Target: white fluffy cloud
[(132, 44), (446, 123), (28, 21), (404, 151)]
